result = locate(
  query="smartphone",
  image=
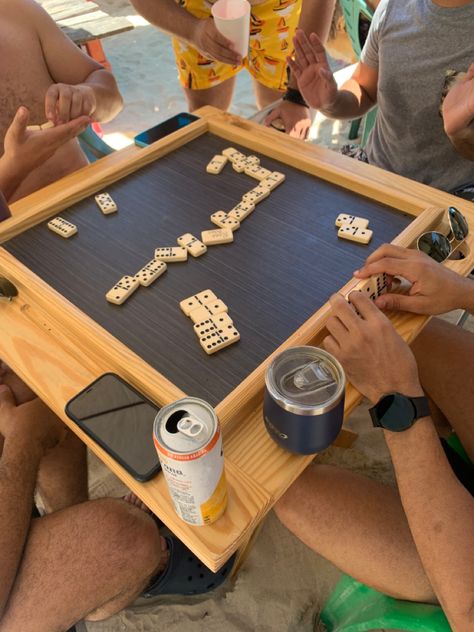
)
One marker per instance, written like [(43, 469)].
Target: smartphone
[(120, 420), (163, 129)]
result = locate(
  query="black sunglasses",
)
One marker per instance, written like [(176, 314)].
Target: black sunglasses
[(438, 246)]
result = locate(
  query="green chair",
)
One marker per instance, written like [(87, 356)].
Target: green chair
[(354, 607), (353, 11)]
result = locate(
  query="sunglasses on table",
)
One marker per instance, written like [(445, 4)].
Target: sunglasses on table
[(438, 246)]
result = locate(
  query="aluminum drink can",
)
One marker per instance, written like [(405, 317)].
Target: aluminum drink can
[(304, 399), (188, 439)]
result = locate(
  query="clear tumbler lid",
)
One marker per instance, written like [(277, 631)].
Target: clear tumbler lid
[(306, 377)]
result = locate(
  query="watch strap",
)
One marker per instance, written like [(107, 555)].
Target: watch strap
[(422, 406)]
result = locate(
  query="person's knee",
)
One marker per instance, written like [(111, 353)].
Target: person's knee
[(131, 536), (288, 508)]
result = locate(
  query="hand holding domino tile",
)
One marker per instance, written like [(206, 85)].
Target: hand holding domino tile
[(25, 149), (375, 358)]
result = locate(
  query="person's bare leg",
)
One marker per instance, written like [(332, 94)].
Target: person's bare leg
[(359, 525), (265, 96), (220, 96), (445, 357), (87, 561), (62, 477)]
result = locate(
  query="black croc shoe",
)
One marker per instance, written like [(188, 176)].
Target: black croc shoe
[(186, 574)]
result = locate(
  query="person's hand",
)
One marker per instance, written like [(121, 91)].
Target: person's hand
[(21, 391), (311, 70), (213, 45), (458, 106), (296, 118), (435, 289), (25, 149), (64, 103), (377, 361), (32, 421)]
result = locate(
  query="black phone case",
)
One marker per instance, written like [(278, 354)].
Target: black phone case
[(142, 477), (164, 128)]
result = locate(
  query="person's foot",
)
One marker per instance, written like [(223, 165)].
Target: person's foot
[(21, 392), (134, 500)]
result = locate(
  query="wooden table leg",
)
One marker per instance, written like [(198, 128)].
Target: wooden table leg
[(244, 550), (345, 438)]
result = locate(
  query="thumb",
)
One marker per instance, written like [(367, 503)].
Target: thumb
[(20, 122), (6, 397), (271, 116), (60, 134), (400, 303)]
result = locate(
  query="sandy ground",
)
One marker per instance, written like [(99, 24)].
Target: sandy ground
[(282, 585)]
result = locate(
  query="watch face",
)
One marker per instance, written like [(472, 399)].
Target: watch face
[(396, 412)]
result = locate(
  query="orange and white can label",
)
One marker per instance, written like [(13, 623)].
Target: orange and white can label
[(188, 440)]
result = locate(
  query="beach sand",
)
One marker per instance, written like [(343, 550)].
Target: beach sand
[(282, 585)]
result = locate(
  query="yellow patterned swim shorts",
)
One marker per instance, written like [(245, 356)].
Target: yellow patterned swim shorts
[(272, 27)]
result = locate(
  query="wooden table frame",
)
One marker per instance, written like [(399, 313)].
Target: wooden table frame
[(58, 350)]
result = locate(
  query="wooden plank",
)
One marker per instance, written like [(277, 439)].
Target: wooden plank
[(84, 21), (98, 28), (63, 10)]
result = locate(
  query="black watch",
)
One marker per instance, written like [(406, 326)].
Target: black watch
[(294, 96), (397, 412)]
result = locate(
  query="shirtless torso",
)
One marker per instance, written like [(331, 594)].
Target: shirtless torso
[(34, 55)]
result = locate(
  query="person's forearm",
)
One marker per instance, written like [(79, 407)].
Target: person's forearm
[(316, 17), (108, 98), (10, 177), (464, 295), (352, 102), (463, 142), (168, 16), (19, 465), (470, 299), (440, 514)]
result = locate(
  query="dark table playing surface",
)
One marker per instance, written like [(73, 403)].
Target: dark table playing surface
[(285, 262)]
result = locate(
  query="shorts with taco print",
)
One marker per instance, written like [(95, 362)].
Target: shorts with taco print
[(272, 27)]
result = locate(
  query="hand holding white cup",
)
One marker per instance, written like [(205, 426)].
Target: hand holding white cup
[(232, 20)]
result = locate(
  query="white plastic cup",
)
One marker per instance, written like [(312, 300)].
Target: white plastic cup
[(232, 20)]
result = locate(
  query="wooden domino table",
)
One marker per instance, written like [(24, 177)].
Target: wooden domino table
[(60, 334)]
